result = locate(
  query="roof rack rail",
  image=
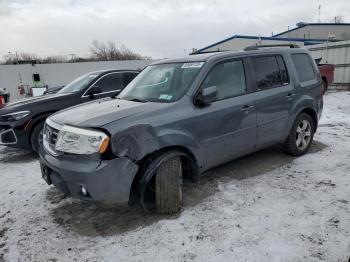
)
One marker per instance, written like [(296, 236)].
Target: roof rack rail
[(208, 52), (256, 47)]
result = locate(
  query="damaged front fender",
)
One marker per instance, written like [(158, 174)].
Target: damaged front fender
[(138, 141), (135, 142)]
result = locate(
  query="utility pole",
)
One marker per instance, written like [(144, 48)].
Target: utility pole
[(319, 13)]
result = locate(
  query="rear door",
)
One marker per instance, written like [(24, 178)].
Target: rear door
[(274, 98)]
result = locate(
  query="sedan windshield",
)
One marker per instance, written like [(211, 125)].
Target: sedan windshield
[(162, 83), (78, 84)]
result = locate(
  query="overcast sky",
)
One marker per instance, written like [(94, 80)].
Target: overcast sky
[(157, 28)]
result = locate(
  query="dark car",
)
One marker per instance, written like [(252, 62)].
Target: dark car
[(179, 118), (21, 122), (5, 95), (53, 90)]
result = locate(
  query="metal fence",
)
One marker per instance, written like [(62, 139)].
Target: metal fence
[(337, 53)]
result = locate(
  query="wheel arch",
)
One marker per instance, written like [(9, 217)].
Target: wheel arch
[(35, 121), (149, 163), (311, 112)]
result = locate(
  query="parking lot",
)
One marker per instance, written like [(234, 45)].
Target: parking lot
[(264, 207)]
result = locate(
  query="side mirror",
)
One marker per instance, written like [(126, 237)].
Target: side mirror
[(206, 96), (94, 90)]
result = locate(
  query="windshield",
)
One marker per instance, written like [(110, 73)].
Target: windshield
[(78, 84), (162, 83)]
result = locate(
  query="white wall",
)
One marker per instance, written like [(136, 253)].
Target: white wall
[(12, 76)]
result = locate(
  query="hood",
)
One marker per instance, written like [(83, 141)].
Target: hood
[(102, 112), (28, 103)]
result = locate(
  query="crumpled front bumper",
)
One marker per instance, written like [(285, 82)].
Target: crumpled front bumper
[(103, 180)]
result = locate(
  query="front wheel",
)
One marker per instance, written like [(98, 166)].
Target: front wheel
[(36, 136), (300, 136), (168, 186)]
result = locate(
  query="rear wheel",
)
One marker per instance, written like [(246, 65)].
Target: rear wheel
[(301, 135), (36, 136), (168, 186)]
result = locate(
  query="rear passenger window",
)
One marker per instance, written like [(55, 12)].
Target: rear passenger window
[(267, 72), (229, 79), (304, 67)]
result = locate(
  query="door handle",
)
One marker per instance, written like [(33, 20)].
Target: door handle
[(290, 95), (246, 108)]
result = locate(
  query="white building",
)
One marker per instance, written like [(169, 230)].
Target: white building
[(303, 35), (239, 42), (334, 31)]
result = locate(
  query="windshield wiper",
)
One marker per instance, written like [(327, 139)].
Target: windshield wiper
[(138, 100)]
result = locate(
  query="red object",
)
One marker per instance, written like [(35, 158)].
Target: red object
[(2, 101), (327, 74)]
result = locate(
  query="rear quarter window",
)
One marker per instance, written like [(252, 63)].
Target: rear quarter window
[(304, 67)]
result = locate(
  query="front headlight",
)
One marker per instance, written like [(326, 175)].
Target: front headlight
[(81, 141), (14, 116)]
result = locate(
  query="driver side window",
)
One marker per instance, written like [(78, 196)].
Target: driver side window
[(228, 77), (110, 82)]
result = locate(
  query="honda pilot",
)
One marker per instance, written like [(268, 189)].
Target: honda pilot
[(179, 118)]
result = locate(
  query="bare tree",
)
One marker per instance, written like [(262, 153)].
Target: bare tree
[(55, 59), (339, 19), (104, 52), (99, 52), (19, 57)]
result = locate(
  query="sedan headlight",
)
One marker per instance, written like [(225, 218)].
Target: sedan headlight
[(81, 141), (15, 116)]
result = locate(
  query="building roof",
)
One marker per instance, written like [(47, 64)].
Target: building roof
[(305, 41), (302, 24)]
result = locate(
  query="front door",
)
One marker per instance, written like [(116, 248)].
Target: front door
[(227, 127), (108, 85)]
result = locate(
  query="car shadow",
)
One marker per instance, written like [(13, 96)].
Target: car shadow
[(16, 155), (91, 219)]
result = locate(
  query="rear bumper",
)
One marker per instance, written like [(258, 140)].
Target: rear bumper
[(103, 180)]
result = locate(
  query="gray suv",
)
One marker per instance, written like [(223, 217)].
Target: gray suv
[(179, 118)]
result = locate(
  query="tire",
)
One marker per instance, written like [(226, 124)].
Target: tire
[(36, 136), (301, 135), (168, 186)]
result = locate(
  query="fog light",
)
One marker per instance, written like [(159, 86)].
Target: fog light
[(84, 191)]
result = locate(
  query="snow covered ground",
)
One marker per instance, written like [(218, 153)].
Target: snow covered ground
[(264, 207)]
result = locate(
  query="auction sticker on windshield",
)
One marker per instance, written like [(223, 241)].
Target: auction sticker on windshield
[(192, 65)]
